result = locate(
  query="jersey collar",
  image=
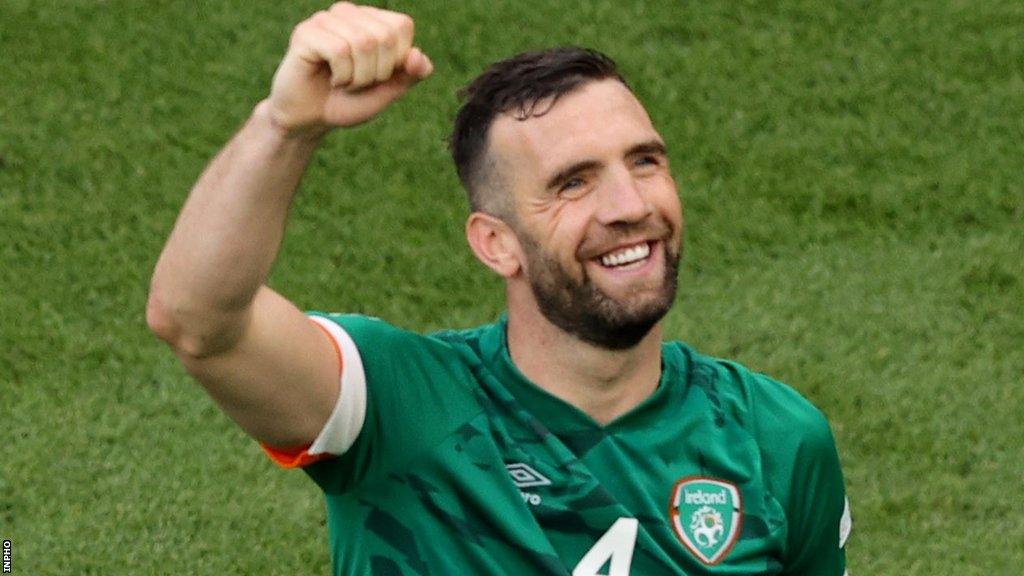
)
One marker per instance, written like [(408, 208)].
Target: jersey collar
[(563, 418)]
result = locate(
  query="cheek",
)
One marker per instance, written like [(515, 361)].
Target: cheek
[(574, 232), (669, 204), (564, 229), (680, 213)]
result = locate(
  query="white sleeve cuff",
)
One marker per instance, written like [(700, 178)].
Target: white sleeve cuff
[(346, 421), (845, 524)]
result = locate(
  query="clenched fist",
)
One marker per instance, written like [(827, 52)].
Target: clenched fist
[(343, 66)]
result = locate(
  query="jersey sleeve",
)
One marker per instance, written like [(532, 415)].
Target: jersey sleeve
[(349, 413), (817, 515), (402, 393), (804, 469)]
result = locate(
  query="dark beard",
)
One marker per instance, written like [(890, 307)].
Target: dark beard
[(580, 308)]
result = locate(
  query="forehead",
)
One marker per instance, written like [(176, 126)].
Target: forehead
[(597, 120)]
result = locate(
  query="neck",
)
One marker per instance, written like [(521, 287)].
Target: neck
[(604, 384)]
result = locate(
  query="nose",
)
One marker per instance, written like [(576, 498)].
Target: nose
[(622, 200)]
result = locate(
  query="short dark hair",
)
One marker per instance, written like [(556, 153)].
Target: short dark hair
[(518, 83)]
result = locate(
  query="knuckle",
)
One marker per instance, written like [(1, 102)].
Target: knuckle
[(340, 51), (300, 32), (386, 38), (341, 8), (320, 17), (405, 24), (362, 42)]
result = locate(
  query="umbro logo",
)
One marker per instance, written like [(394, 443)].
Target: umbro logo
[(526, 477)]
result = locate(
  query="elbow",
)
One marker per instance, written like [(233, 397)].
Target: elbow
[(193, 338), (161, 320)]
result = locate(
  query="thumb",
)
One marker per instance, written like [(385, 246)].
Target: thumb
[(417, 64)]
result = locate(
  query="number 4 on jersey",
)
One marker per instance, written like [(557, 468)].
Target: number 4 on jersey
[(615, 548)]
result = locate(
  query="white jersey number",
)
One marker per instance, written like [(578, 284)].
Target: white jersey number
[(615, 548)]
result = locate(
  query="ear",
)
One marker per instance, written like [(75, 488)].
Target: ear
[(494, 243)]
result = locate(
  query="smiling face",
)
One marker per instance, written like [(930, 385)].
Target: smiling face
[(596, 213)]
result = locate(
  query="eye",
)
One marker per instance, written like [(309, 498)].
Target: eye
[(575, 187), (571, 184), (647, 160)]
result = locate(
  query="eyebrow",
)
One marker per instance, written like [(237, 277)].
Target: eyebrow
[(648, 147)]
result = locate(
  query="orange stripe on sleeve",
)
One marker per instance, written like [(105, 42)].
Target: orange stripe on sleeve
[(293, 457)]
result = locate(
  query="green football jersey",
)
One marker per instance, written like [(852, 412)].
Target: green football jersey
[(463, 466)]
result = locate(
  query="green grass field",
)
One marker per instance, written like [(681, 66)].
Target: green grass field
[(855, 209)]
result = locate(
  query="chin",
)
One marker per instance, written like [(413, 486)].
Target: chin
[(606, 323), (583, 309)]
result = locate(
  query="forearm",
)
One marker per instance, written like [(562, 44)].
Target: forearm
[(270, 368), (227, 236)]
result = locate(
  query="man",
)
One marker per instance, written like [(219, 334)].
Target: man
[(567, 438)]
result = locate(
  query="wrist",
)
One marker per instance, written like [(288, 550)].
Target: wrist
[(263, 115)]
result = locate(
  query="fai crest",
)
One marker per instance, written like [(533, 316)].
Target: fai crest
[(706, 515)]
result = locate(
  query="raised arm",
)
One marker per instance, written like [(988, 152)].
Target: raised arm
[(268, 366)]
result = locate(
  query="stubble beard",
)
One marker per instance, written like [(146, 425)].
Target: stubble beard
[(581, 308)]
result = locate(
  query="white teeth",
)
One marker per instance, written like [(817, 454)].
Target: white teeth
[(627, 255)]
